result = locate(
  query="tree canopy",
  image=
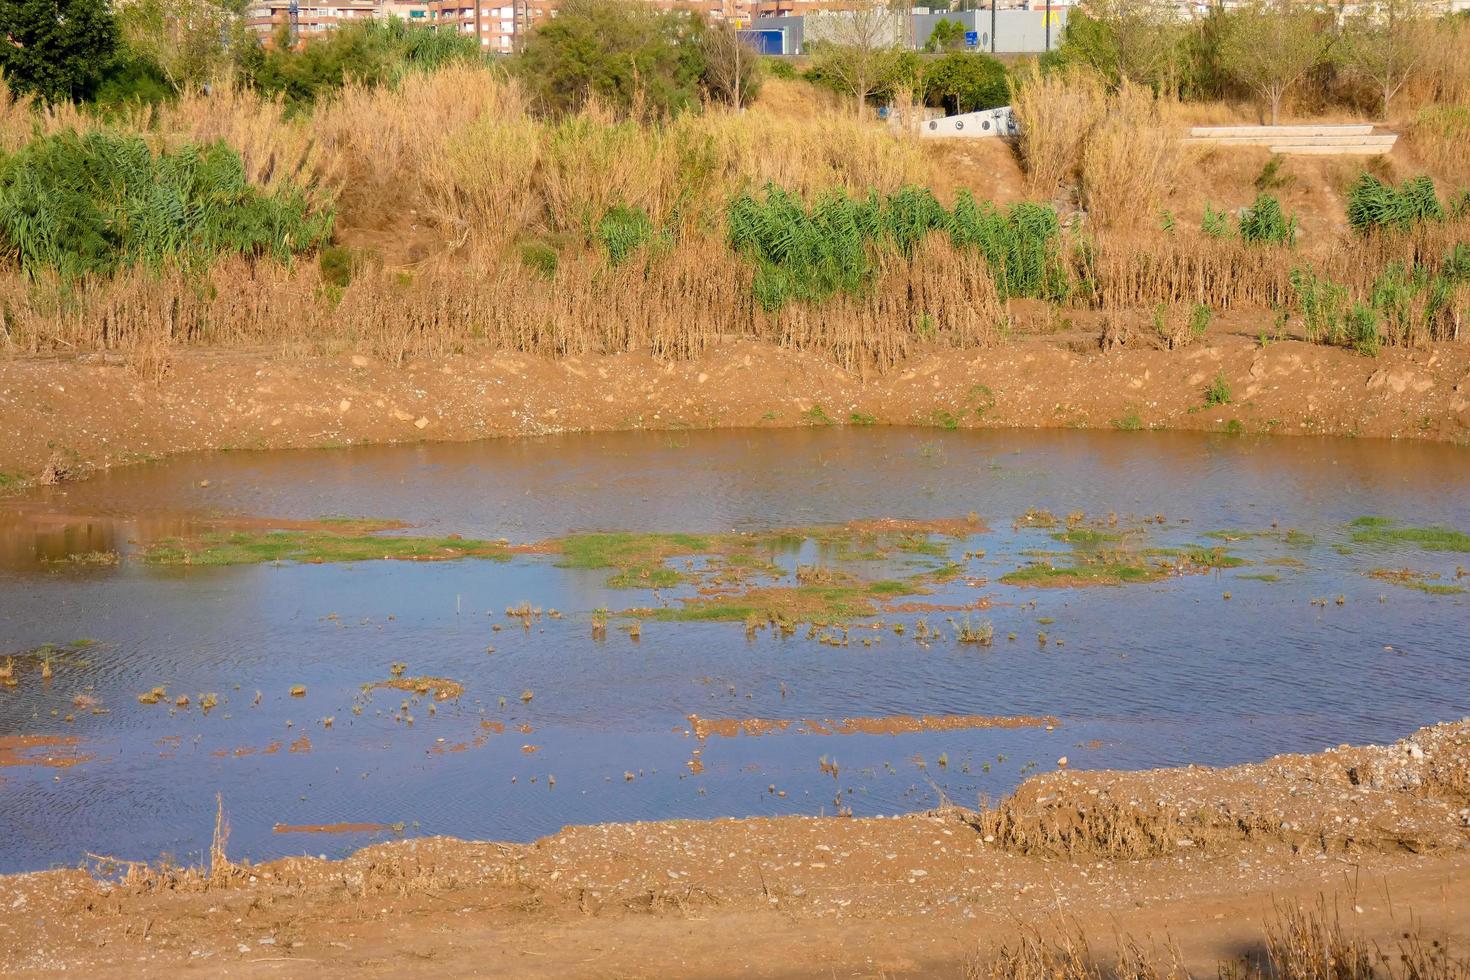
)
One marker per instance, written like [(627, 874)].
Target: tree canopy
[(621, 53), (57, 49), (962, 82)]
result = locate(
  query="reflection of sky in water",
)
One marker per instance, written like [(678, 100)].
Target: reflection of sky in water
[(1159, 674)]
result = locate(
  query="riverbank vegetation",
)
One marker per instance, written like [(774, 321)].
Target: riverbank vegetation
[(387, 190)]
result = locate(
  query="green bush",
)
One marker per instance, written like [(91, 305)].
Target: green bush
[(1373, 204), (1216, 224), (97, 202), (1218, 393), (1265, 223), (780, 68), (1199, 320), (1323, 303), (1362, 329), (808, 253), (541, 258), (337, 265), (622, 231)]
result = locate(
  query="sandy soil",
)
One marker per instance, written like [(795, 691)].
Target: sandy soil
[(1192, 857), (82, 413)]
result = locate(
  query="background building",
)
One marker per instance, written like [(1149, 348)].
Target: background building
[(777, 27)]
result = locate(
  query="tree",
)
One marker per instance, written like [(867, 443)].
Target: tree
[(947, 35), (962, 82), (186, 39), (1149, 35), (1386, 44), (1140, 41), (1270, 45), (57, 49), (856, 48), (732, 68), (620, 52)]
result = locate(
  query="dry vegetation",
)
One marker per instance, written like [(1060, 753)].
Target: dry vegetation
[(1297, 943), (465, 220)]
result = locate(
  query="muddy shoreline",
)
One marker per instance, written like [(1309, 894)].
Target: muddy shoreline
[(1200, 856), (63, 418)]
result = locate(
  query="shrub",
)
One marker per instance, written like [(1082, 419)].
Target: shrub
[(808, 253), (780, 68), (92, 203), (1264, 223), (1323, 304), (1216, 224), (1199, 320), (1362, 329), (1372, 204), (622, 231), (1218, 393)]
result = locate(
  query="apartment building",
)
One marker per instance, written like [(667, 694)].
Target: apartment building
[(497, 23), (309, 17)]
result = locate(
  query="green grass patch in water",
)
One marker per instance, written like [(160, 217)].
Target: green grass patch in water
[(794, 604), (260, 547), (1381, 530), (1086, 537), (1101, 573)]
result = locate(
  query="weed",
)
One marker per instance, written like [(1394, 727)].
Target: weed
[(816, 415), (1264, 223), (981, 633), (1218, 393), (861, 418), (1216, 224), (1129, 422)]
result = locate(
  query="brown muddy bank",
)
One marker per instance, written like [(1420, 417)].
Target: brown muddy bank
[(1194, 857), (63, 417)]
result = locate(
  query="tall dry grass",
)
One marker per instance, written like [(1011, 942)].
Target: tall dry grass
[(1056, 113), (1296, 943), (457, 158), (669, 303), (1131, 160)]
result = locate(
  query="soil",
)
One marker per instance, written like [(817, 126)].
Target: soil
[(1195, 858), (64, 417)]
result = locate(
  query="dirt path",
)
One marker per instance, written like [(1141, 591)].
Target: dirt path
[(74, 415), (1191, 857)]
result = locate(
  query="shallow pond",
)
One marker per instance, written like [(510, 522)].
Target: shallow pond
[(1309, 649)]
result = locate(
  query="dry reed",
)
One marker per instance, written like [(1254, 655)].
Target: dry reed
[(1056, 113), (1131, 160)]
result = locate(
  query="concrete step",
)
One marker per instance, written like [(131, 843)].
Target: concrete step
[(1281, 132), (1313, 149), (1377, 139)]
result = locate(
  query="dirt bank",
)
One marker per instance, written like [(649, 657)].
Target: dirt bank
[(1193, 854), (83, 413)]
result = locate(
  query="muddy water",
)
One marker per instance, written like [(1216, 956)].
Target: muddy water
[(1142, 675)]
